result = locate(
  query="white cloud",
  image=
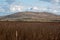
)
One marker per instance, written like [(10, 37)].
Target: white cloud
[(55, 11), (57, 0), (43, 8), (30, 8), (35, 8), (16, 8)]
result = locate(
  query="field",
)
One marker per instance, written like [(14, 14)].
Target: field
[(29, 31)]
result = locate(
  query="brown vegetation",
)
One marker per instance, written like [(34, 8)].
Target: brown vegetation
[(29, 31)]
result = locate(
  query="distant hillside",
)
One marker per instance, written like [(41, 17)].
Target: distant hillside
[(31, 16)]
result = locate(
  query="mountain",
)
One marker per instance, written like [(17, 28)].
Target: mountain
[(31, 16)]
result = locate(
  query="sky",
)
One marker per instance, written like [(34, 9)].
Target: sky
[(8, 7)]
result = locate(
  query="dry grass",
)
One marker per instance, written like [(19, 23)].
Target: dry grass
[(29, 31)]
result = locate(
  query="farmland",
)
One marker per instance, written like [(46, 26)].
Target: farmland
[(29, 31)]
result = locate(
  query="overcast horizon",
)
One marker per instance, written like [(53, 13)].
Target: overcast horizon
[(12, 6)]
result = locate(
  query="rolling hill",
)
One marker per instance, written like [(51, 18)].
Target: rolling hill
[(31, 16)]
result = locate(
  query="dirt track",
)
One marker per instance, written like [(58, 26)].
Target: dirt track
[(29, 31)]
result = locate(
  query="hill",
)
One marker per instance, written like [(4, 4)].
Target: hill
[(31, 16)]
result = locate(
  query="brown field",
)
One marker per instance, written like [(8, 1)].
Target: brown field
[(29, 31)]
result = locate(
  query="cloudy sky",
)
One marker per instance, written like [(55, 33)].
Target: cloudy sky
[(11, 6)]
